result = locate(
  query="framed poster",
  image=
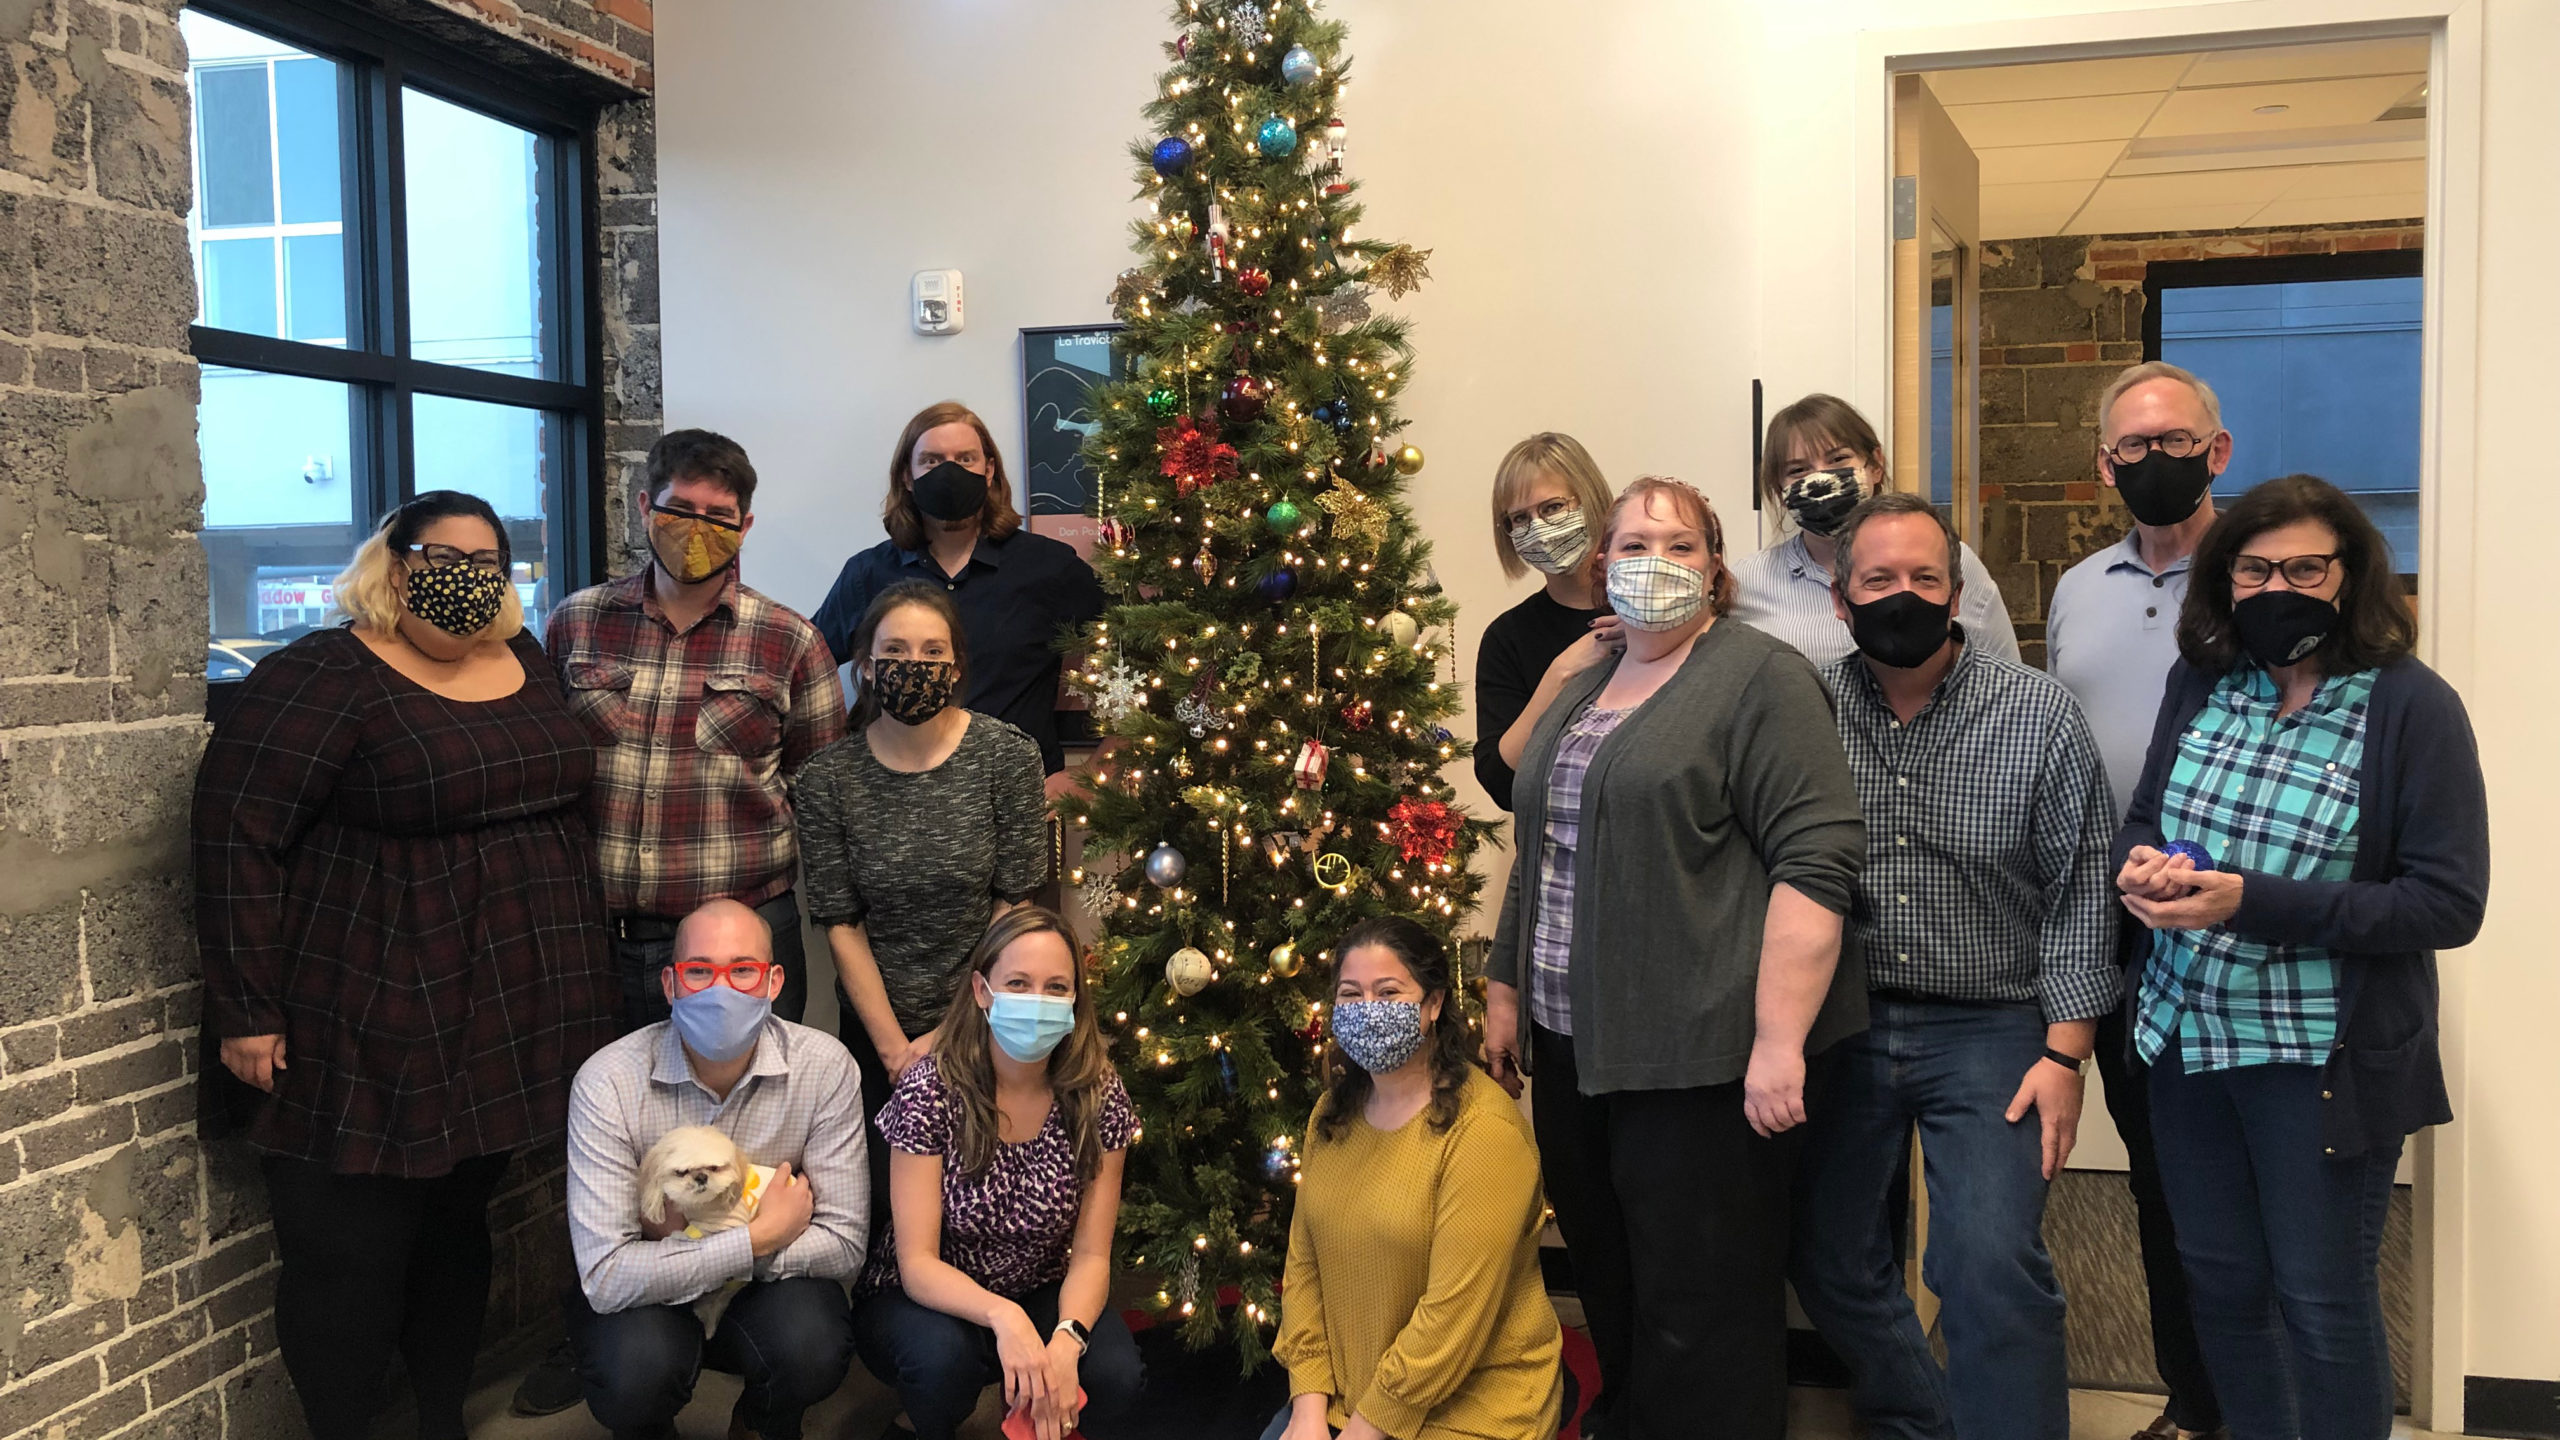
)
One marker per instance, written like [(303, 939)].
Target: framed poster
[(1060, 366)]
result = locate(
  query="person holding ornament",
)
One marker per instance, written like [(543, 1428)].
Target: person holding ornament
[(2309, 828), (1549, 504), (1008, 1140), (952, 523), (1413, 1304), (919, 827), (1819, 459), (1672, 1017)]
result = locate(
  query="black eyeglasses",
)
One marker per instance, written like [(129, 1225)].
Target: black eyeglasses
[(2176, 444), (445, 557), (1549, 510), (2302, 572)]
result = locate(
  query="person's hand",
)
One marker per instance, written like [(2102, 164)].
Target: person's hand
[(1061, 783), (2054, 1093), (255, 1059), (1502, 1036), (2213, 898), (1773, 1088), (1025, 1357), (1306, 1421), (660, 1229), (2153, 875), (1055, 1417), (1595, 646), (783, 1212), (907, 1054), (1362, 1428)]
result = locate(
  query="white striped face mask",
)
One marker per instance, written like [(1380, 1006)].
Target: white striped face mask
[(1650, 592)]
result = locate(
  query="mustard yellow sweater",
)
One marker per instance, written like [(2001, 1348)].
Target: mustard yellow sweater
[(1413, 1294)]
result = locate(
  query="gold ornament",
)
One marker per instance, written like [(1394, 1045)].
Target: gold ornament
[(1400, 269), (1130, 290), (1409, 460), (1285, 960), (1333, 870), (1359, 523)]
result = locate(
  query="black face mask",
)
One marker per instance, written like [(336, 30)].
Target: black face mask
[(2280, 627), (950, 492), (2162, 491), (1901, 630)]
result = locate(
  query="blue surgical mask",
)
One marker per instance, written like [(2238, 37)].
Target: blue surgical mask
[(720, 1023), (1378, 1035), (1028, 1027)]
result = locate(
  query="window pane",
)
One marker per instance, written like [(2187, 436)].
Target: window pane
[(483, 290), (509, 457), (315, 278), (231, 133), (307, 139), (278, 507), (240, 285)]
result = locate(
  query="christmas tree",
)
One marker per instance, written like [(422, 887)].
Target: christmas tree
[(1276, 668)]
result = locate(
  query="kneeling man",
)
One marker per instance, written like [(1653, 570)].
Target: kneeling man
[(789, 1099)]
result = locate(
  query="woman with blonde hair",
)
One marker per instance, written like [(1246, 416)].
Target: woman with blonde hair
[(402, 928), (1820, 459), (1549, 504), (1006, 1143)]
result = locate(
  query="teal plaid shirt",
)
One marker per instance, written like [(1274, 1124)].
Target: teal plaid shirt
[(2264, 795)]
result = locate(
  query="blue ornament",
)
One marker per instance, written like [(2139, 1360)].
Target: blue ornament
[(1172, 153), (2194, 852), (1227, 1071), (1299, 67), (1279, 585), (1275, 1164), (1277, 137)]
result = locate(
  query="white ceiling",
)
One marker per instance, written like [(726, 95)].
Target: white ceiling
[(2281, 135)]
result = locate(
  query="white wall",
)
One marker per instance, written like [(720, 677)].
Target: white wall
[(1634, 208)]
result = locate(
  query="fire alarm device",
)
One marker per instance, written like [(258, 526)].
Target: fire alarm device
[(937, 302)]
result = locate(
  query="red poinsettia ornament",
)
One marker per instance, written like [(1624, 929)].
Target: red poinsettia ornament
[(1193, 457), (1422, 830)]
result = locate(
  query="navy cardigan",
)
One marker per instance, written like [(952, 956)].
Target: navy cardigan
[(2420, 883)]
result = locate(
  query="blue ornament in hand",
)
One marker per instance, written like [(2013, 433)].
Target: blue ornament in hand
[(1277, 137), (2194, 852), (1172, 153)]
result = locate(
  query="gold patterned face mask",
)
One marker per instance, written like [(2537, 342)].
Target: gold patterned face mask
[(691, 547)]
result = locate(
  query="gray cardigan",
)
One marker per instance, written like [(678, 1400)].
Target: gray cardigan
[(1727, 781)]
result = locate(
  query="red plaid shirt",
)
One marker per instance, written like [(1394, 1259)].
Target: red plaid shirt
[(697, 737)]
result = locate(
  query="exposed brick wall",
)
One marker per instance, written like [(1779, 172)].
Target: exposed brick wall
[(611, 37), (2061, 316), (627, 182)]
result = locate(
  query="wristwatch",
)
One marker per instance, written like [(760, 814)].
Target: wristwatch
[(2076, 1064), (1076, 1331)]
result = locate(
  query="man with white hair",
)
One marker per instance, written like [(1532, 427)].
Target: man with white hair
[(2111, 637), (789, 1098)]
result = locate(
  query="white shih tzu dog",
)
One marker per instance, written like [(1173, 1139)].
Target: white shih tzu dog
[(699, 1172)]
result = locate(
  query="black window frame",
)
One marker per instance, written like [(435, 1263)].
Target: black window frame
[(2162, 275), (381, 60)]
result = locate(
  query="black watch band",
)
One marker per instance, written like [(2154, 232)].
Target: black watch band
[(1077, 1331), (2076, 1064)]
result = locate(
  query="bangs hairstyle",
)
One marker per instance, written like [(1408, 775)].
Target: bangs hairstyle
[(367, 593), (866, 699), (1694, 509), (1822, 423), (1079, 1069), (702, 455), (898, 513), (1450, 1046), (1563, 458), (2375, 626)]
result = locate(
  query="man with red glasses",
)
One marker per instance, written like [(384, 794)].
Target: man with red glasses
[(789, 1098)]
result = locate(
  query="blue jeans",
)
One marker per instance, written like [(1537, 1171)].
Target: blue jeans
[(1951, 1070), (790, 1340), (648, 946), (2283, 1249), (939, 1364)]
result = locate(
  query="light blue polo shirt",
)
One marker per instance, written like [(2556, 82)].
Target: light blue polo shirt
[(2111, 637)]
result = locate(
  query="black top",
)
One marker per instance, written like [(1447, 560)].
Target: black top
[(1517, 649), (2420, 884), (1014, 596)]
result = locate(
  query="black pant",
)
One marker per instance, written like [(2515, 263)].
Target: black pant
[(790, 1340), (2174, 1347), (940, 1363), (643, 946), (874, 1073), (1676, 1217), (373, 1264)]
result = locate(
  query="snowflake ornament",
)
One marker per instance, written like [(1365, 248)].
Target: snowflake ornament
[(1122, 692)]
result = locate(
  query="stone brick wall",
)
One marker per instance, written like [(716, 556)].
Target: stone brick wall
[(627, 182), (136, 1290), (2060, 317)]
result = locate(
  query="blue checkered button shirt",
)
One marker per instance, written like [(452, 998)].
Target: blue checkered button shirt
[(2265, 794), (1989, 824)]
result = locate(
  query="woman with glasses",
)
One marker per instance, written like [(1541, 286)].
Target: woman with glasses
[(2309, 829), (1549, 503), (402, 927), (1820, 459)]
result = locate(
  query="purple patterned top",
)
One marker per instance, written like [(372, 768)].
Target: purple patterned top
[(1008, 1229), (1551, 943)]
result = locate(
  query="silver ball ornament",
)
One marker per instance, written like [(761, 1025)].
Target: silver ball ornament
[(1166, 867), (1299, 67)]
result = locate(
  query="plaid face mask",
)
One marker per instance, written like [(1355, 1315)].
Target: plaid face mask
[(1650, 592)]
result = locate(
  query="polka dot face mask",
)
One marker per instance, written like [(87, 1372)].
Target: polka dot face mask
[(460, 600)]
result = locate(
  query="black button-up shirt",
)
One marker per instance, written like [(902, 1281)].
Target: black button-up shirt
[(1014, 595)]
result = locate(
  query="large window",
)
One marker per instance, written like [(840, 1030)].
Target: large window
[(391, 261), (2316, 359)]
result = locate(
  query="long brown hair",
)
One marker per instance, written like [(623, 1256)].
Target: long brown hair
[(2375, 626), (866, 696), (1079, 1069), (898, 513), (1450, 1046), (1823, 422)]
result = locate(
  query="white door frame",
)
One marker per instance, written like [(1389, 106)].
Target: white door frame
[(2448, 432)]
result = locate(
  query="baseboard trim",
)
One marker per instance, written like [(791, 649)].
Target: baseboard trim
[(2521, 1409)]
